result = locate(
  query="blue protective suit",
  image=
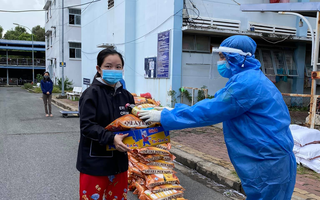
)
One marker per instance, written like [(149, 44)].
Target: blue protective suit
[(255, 123)]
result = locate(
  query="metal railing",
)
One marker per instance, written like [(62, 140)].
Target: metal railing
[(22, 62)]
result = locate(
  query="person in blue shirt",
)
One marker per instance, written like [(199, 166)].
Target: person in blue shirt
[(255, 122), (47, 87)]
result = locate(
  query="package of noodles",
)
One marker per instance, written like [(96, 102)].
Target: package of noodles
[(166, 187), (152, 150), (139, 100), (135, 111), (134, 94), (153, 180), (153, 157), (127, 122), (150, 169), (171, 194), (135, 171), (164, 146)]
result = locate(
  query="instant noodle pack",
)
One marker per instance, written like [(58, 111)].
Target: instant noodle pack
[(150, 175)]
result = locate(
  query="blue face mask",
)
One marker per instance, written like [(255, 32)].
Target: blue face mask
[(224, 69), (111, 76)]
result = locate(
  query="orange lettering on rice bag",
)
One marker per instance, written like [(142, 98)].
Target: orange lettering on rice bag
[(166, 187), (127, 122), (171, 194), (153, 180), (152, 150)]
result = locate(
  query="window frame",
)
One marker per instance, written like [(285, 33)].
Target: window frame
[(75, 50), (75, 15), (195, 44), (110, 4)]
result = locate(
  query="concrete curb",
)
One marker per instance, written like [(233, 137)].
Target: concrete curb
[(63, 105)]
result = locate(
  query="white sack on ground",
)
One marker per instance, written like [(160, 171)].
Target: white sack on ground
[(303, 135), (296, 148), (309, 152), (312, 164)]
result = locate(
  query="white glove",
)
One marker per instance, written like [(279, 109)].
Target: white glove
[(161, 108), (150, 115)]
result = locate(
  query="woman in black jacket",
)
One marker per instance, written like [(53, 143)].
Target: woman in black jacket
[(103, 174)]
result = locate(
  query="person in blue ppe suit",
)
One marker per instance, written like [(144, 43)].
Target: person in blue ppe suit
[(255, 122)]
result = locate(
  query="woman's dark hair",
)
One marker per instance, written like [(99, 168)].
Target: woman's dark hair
[(105, 53)]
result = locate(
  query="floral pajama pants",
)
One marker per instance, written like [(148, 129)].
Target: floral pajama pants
[(112, 187)]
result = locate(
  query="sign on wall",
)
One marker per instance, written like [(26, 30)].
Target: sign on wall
[(163, 53), (86, 81), (150, 67)]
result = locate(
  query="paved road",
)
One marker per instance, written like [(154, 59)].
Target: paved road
[(38, 153)]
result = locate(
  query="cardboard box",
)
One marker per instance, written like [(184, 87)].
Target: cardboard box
[(143, 138)]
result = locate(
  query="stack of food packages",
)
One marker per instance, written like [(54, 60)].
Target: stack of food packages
[(151, 174)]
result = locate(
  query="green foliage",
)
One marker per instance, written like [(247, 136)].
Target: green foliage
[(55, 89), (28, 86), (67, 83), (185, 93), (298, 108), (20, 33), (172, 94), (1, 31), (201, 94), (39, 77), (38, 33)]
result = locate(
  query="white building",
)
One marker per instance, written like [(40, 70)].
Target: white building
[(134, 28), (72, 39)]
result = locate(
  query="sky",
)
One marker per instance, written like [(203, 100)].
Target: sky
[(29, 19)]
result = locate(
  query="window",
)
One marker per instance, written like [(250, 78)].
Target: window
[(75, 16), (47, 16), (110, 3), (74, 50), (48, 42), (51, 40), (54, 2), (196, 43), (50, 11)]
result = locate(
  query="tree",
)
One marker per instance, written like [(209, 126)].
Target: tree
[(1, 30), (14, 34), (20, 33), (38, 33)]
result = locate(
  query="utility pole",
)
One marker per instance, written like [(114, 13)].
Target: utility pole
[(62, 50)]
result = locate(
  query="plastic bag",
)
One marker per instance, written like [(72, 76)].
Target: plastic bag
[(146, 95), (149, 158), (166, 187), (309, 152), (153, 180), (127, 122), (303, 135), (154, 102), (135, 111), (161, 163), (150, 169), (152, 150)]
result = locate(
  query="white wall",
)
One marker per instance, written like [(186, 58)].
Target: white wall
[(72, 33)]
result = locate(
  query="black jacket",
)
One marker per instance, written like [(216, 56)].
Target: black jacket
[(99, 105)]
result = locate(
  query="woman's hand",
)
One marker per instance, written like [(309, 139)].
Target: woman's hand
[(120, 146), (48, 92)]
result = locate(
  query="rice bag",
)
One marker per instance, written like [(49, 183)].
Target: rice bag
[(140, 188), (152, 150), (164, 146), (154, 102), (148, 195), (149, 169), (127, 122), (139, 100), (153, 180), (153, 157), (166, 187), (161, 163), (135, 171)]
